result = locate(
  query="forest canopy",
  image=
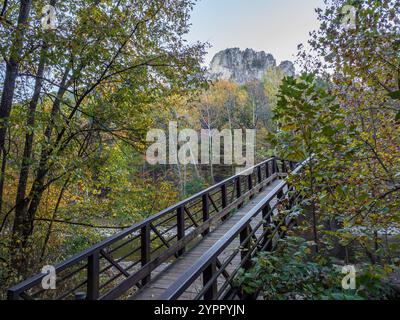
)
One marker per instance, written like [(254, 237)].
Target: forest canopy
[(78, 99)]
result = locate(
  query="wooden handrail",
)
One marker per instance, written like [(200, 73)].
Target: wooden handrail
[(91, 257), (205, 263)]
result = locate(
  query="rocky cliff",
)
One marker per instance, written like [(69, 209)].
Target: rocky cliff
[(245, 66)]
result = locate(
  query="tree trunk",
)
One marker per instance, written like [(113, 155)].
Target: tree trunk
[(9, 83), (49, 230), (313, 207), (23, 222), (21, 201)]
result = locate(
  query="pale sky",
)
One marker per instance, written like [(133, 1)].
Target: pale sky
[(275, 26)]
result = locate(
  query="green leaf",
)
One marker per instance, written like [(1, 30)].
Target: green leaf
[(395, 95)]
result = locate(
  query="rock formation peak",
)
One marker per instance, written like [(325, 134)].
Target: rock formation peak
[(245, 66)]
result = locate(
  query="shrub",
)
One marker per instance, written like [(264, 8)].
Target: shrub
[(293, 272)]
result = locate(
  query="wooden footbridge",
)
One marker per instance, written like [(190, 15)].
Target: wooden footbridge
[(192, 250)]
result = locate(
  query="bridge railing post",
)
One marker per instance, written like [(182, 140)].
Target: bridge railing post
[(224, 196), (275, 168), (93, 280), (292, 201), (208, 275), (291, 197), (250, 183), (267, 219), (180, 217), (280, 195), (145, 250), (245, 245), (259, 174), (284, 169), (267, 172), (281, 199), (239, 190), (206, 212), (224, 199)]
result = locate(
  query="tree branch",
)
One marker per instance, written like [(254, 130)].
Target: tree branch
[(81, 224)]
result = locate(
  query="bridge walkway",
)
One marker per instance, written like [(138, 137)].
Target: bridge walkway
[(193, 249), (164, 280)]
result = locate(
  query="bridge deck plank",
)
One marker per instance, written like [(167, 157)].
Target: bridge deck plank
[(154, 289)]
